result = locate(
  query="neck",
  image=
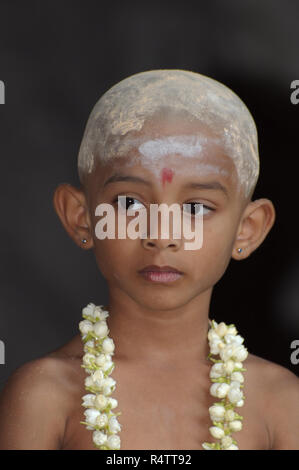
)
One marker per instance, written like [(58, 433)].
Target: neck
[(144, 334)]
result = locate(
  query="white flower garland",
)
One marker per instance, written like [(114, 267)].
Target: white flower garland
[(226, 375), (97, 361)]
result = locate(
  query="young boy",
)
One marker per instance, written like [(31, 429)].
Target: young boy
[(165, 136)]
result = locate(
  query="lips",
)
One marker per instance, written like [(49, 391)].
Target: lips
[(155, 268), (160, 274)]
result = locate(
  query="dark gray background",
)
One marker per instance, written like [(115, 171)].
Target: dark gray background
[(57, 59)]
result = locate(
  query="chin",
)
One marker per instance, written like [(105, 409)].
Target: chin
[(161, 301)]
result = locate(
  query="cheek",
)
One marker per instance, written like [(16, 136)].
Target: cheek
[(208, 265), (115, 256), (215, 254)]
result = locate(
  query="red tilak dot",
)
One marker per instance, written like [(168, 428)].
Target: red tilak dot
[(167, 175)]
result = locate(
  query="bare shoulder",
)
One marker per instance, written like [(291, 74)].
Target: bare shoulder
[(35, 402), (277, 389)]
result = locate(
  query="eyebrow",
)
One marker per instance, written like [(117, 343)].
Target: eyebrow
[(211, 185), (214, 185), (119, 177)]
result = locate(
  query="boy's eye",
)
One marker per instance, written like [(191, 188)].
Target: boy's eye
[(193, 208), (125, 202)]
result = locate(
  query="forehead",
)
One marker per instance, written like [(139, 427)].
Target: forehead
[(186, 147), (173, 141), (165, 134)]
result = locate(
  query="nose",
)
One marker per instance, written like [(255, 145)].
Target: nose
[(156, 238), (161, 244)]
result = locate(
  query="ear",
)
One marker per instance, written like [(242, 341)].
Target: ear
[(72, 209), (257, 220)]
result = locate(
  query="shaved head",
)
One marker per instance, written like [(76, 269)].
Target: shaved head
[(124, 110)]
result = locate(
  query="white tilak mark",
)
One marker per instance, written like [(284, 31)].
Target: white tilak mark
[(186, 145), (204, 168)]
